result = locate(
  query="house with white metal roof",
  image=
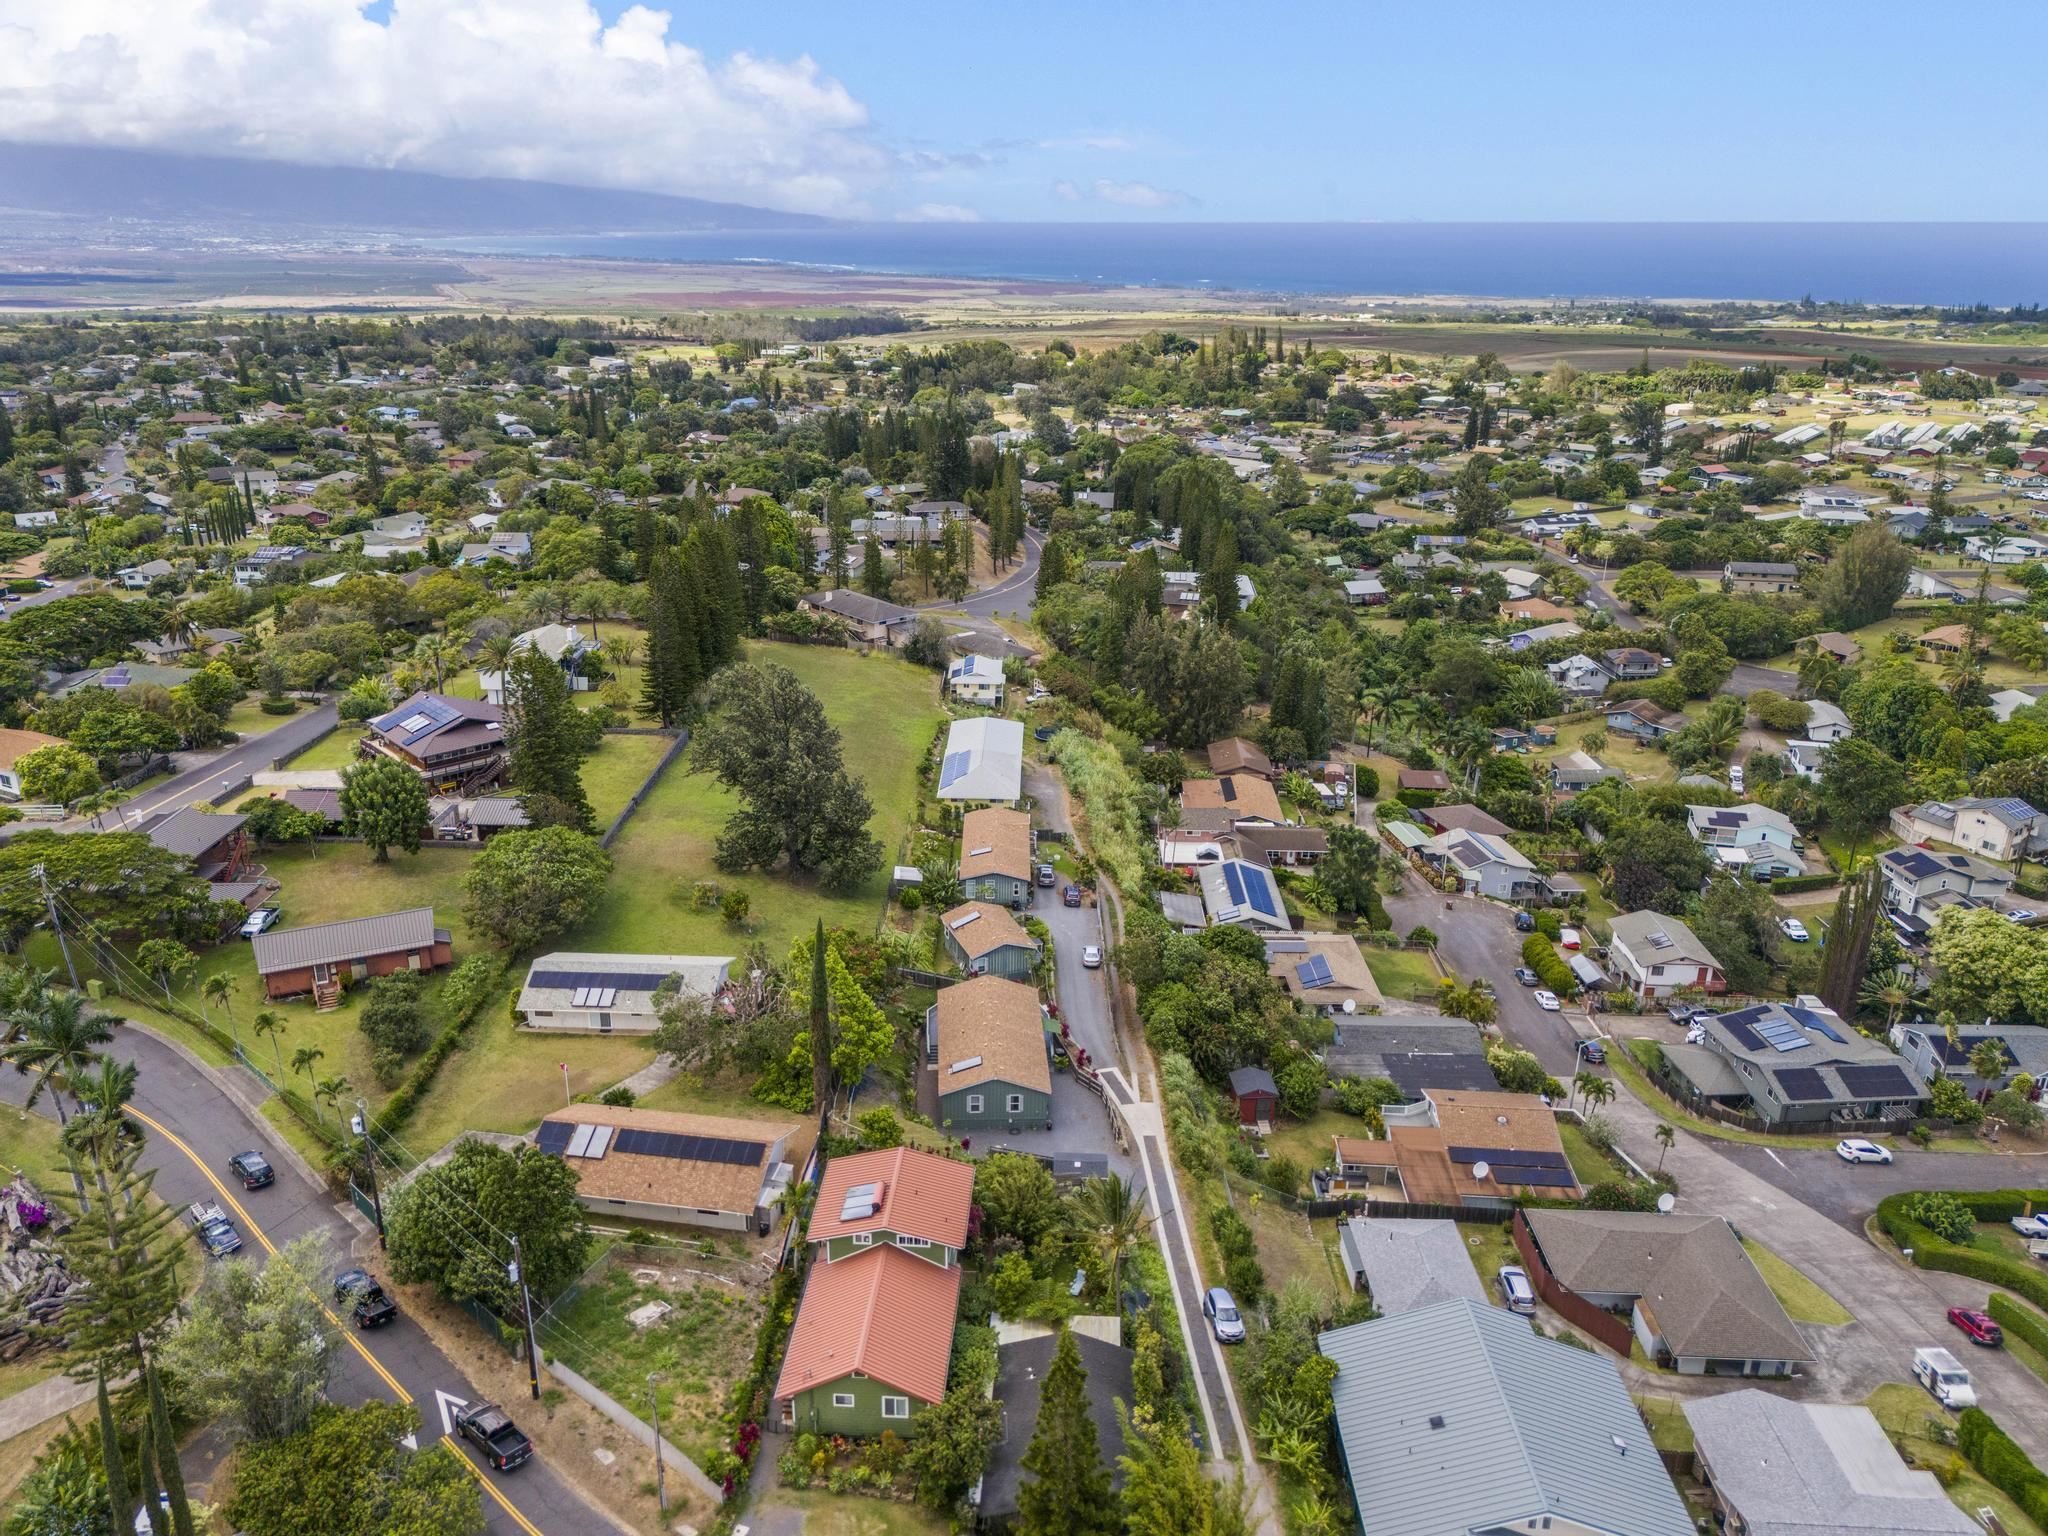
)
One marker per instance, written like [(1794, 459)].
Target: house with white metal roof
[(1448, 1421), (1239, 891), (601, 994), (984, 761)]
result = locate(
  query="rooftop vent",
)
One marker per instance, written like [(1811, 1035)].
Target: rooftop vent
[(1436, 1421)]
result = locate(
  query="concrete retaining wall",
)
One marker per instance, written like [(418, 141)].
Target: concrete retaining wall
[(611, 1408)]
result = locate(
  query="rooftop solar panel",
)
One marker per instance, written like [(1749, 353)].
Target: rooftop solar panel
[(1802, 1084), (1508, 1157), (554, 1135), (1235, 881), (1877, 1080), (1538, 1178), (1314, 972), (1260, 888), (1813, 1021), (1742, 1034), (600, 1139), (572, 981), (955, 769), (579, 1144)]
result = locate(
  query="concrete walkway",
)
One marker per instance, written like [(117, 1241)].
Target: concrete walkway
[(46, 1400)]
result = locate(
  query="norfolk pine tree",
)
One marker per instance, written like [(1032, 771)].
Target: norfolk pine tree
[(545, 737), (1069, 1493)]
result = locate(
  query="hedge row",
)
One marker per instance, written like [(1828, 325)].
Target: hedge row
[(465, 993), (2004, 1465), (1932, 1252), (2024, 1323), (1550, 970), (1788, 885)]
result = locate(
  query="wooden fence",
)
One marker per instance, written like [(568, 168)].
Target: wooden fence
[(1603, 1325), (611, 833)]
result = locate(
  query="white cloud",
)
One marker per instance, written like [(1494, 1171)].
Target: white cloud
[(1124, 194), (940, 213), (1137, 194), (532, 89)]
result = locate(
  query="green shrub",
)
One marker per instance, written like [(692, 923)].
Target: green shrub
[(1368, 782), (1246, 1280), (1417, 798), (279, 706), (1943, 1215), (2022, 1322), (1550, 970), (1231, 1231), (2004, 1465), (1550, 925), (1933, 1252)]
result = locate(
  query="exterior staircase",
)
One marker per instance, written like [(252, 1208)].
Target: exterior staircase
[(327, 995)]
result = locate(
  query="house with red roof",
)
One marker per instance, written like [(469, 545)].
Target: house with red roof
[(873, 1336)]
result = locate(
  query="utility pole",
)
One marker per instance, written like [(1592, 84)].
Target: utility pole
[(526, 1308), (660, 1471), (362, 1129), (50, 901)]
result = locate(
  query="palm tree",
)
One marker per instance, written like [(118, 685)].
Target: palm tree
[(178, 626), (304, 1058), (217, 989), (102, 1094), (1987, 1061), (1888, 993), (432, 651), (268, 1023), (330, 1089), (22, 989), (795, 1199), (1665, 1136), (1110, 1213), (1579, 1084), (1599, 1091), (60, 1041), (495, 654)]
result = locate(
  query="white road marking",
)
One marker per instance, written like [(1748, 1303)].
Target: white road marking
[(1775, 1158), (444, 1401)]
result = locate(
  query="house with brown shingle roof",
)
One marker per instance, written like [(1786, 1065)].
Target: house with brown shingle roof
[(1236, 755), (660, 1165), (1212, 805), (985, 940), (995, 856), (986, 1040), (14, 746), (874, 1332)]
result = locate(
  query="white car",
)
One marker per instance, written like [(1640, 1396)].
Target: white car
[(1793, 929), (1568, 938), (2021, 915), (1857, 1150), (1546, 1000), (1735, 778), (1091, 957), (2031, 1226)]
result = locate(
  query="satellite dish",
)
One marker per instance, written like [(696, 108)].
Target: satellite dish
[(1351, 1005), (1480, 1171), (1665, 1202)]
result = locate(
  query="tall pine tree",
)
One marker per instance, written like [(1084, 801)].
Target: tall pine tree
[(546, 737), (1069, 1492)]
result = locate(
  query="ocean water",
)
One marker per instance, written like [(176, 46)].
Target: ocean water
[(1996, 264)]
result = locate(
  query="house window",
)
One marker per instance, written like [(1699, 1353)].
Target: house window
[(913, 1242), (1016, 1103), (604, 1023), (862, 1239), (789, 1411), (974, 1102), (842, 1399), (895, 1407)]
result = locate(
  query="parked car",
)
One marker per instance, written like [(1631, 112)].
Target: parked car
[(1071, 896), (1547, 1000), (1856, 1150), (260, 921), (1525, 922), (1595, 1051), (1942, 1374), (215, 1231), (369, 1305), (1526, 977), (1091, 957), (1224, 1319), (2021, 915), (1793, 929), (253, 1169), (1735, 778), (1515, 1289), (2031, 1226), (493, 1432), (1047, 875), (1978, 1326), (1568, 938)]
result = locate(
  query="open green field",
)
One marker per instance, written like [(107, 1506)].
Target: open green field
[(1402, 973), (1642, 763), (886, 711), (337, 749)]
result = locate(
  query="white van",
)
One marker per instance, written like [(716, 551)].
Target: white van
[(1943, 1375)]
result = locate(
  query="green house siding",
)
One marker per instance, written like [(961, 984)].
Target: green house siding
[(814, 1410), (1013, 961), (995, 1113), (845, 1247), (1004, 890)]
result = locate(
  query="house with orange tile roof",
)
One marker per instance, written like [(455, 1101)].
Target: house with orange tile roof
[(873, 1337)]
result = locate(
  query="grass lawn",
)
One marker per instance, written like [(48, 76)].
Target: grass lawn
[(247, 717), (337, 749), (1908, 1416), (1801, 1297), (617, 768), (18, 1456), (1640, 762), (1589, 1163), (886, 711), (829, 1514), (1839, 849), (1307, 1142), (700, 1348), (1403, 973), (1670, 1429), (1490, 1246)]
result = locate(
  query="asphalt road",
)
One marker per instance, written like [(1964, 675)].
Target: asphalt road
[(194, 1126), (1847, 1193), (66, 588), (1600, 597), (1009, 598)]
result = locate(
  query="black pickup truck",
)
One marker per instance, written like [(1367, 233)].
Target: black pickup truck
[(491, 1428)]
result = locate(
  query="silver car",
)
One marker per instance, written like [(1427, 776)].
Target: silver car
[(1224, 1319), (1515, 1289)]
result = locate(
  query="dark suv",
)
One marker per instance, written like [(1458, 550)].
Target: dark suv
[(253, 1169), (372, 1308), (491, 1428)]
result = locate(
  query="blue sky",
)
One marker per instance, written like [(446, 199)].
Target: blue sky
[(1061, 110), (1405, 111)]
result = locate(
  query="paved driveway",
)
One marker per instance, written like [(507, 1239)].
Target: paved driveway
[(1747, 678), (1847, 1194)]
